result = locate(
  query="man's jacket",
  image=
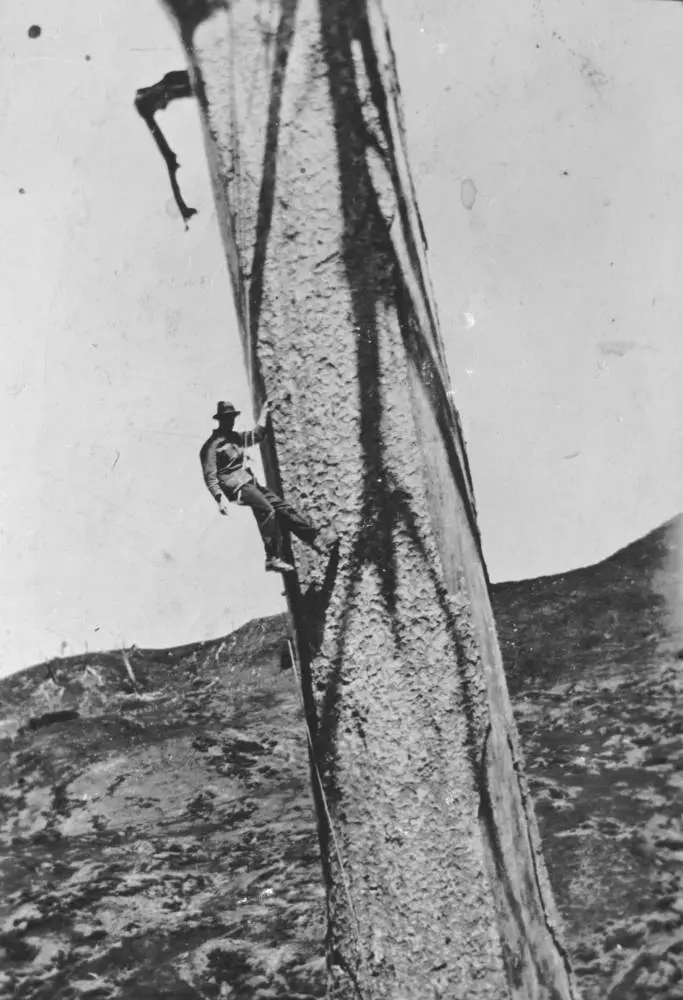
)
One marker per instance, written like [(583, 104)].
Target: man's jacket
[(223, 461)]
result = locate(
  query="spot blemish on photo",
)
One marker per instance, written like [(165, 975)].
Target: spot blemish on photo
[(35, 31), (468, 193)]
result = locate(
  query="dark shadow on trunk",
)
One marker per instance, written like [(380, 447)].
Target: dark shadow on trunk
[(375, 280)]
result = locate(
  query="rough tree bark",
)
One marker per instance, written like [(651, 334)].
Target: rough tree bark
[(442, 890)]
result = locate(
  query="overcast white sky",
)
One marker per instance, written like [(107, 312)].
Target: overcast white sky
[(559, 291)]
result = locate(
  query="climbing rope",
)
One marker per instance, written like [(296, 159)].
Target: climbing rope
[(337, 848)]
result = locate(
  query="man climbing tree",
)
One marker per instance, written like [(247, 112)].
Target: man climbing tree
[(230, 480)]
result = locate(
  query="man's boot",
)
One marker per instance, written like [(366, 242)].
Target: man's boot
[(276, 565)]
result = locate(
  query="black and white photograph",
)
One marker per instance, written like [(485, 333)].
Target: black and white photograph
[(341, 500)]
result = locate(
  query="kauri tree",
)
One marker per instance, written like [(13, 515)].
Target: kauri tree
[(435, 881)]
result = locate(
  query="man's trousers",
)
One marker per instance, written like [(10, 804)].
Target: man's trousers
[(272, 512)]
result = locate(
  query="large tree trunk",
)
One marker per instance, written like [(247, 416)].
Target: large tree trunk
[(436, 886)]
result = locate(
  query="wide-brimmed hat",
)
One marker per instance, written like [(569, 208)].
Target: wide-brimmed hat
[(224, 409)]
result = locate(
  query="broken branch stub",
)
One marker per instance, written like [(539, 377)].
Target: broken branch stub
[(148, 102), (438, 887)]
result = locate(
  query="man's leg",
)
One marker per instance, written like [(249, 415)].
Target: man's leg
[(252, 496), (299, 524)]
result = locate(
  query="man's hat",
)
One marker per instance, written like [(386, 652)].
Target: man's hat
[(225, 410)]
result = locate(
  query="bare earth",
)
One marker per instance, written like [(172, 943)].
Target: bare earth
[(158, 841)]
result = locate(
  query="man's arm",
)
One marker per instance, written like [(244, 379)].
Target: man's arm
[(257, 433), (207, 456)]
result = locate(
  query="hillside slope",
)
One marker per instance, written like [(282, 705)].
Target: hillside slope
[(593, 659), (157, 833), (160, 843)]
